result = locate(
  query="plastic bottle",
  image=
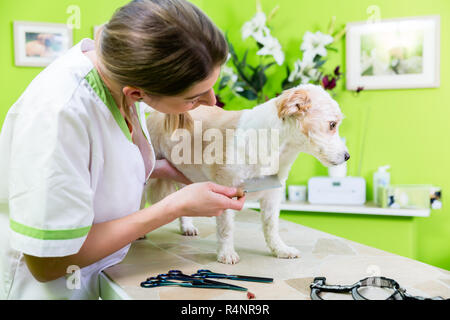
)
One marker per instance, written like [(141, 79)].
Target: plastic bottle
[(381, 178)]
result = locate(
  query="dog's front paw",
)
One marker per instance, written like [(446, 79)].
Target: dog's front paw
[(228, 257), (287, 253), (189, 231)]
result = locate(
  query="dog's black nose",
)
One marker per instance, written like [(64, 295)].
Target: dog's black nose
[(347, 156)]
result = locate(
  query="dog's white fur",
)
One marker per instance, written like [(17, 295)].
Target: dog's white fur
[(303, 116)]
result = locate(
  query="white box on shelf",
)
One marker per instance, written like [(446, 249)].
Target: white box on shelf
[(297, 193), (344, 191)]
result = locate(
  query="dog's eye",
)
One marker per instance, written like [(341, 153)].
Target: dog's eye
[(333, 125)]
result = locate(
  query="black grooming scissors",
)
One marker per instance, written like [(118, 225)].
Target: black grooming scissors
[(161, 282), (207, 274), (173, 278)]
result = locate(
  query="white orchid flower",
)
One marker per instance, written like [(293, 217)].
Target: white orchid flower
[(233, 78), (228, 72), (238, 89), (305, 79), (256, 27), (299, 74), (272, 47), (296, 73), (313, 74), (228, 58), (301, 67), (315, 43), (304, 69)]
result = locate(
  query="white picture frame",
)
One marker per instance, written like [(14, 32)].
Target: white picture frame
[(393, 54), (37, 44)]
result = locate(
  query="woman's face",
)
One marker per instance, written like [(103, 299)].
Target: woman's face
[(201, 93)]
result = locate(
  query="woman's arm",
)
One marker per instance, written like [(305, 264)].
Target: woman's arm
[(108, 237), (103, 239)]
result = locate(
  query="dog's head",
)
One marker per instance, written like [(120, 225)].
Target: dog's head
[(317, 118)]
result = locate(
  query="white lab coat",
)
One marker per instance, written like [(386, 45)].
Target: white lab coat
[(67, 162)]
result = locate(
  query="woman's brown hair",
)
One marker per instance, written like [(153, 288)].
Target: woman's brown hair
[(162, 47)]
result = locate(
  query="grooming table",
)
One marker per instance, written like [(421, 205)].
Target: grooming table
[(322, 255)]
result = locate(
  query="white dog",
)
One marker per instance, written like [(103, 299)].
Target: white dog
[(305, 119)]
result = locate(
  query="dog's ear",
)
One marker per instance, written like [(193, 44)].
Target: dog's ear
[(293, 103)]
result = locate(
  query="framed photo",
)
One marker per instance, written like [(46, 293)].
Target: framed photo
[(394, 54), (37, 44)]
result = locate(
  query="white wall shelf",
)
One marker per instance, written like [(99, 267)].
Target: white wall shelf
[(368, 208)]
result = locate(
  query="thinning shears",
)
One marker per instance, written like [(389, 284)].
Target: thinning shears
[(158, 282), (207, 274), (173, 278)]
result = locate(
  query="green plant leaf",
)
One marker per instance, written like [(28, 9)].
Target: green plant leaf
[(223, 82), (242, 75), (252, 68), (286, 84), (244, 59), (240, 84), (268, 66), (332, 49), (260, 80), (320, 63), (249, 95)]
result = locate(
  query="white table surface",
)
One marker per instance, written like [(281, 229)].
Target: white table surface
[(322, 255)]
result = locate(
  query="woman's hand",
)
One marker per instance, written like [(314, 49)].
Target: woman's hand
[(205, 199), (165, 170)]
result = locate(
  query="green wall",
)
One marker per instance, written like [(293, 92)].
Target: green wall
[(14, 80), (406, 128)]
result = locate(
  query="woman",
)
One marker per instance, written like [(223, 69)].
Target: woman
[(76, 153)]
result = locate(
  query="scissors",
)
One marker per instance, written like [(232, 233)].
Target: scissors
[(178, 275), (165, 279), (203, 274), (157, 282)]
